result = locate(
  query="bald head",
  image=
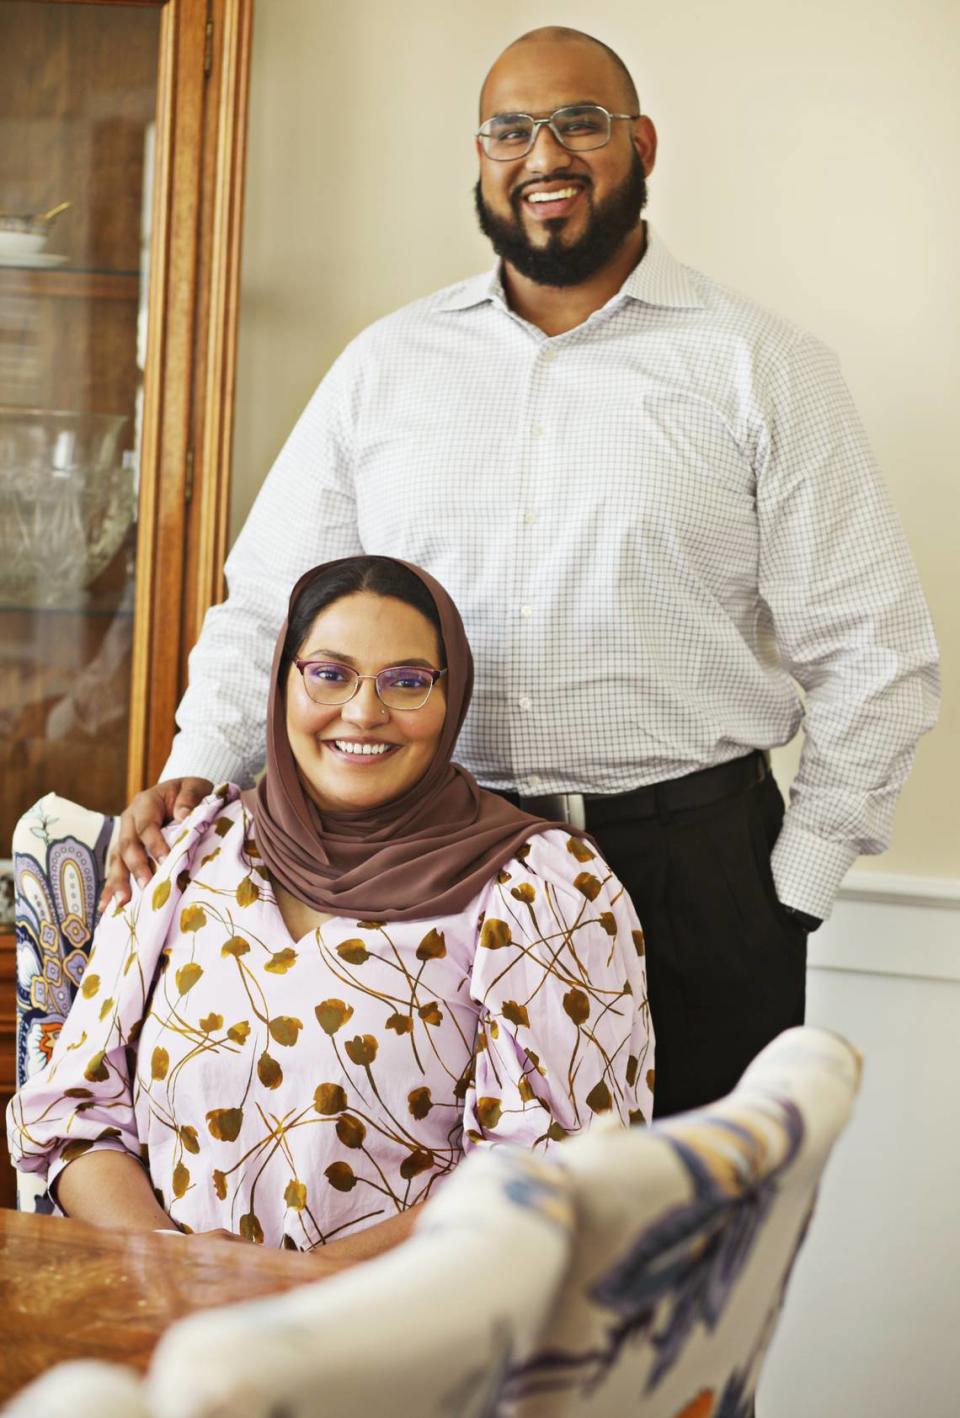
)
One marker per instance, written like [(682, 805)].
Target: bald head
[(560, 38)]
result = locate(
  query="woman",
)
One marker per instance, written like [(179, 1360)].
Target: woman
[(340, 982)]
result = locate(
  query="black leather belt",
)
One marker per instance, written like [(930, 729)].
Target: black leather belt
[(693, 790)]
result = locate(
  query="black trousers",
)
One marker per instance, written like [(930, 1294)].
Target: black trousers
[(726, 966)]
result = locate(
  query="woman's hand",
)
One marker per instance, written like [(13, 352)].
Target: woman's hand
[(140, 836)]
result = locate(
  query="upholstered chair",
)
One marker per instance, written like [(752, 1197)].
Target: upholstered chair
[(59, 851), (686, 1234), (83, 1388)]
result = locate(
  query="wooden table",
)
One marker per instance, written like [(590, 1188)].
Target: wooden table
[(70, 1291)]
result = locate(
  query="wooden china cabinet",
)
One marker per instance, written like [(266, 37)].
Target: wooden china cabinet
[(117, 352)]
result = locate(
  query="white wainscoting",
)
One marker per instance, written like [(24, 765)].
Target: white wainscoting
[(871, 1327)]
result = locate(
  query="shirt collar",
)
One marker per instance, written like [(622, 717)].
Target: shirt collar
[(661, 280), (476, 291), (657, 280)]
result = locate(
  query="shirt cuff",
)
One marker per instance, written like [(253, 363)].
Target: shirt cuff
[(192, 759), (807, 870)]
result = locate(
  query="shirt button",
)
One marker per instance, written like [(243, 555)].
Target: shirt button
[(530, 518), (526, 612), (525, 702), (538, 430), (533, 781), (549, 355)]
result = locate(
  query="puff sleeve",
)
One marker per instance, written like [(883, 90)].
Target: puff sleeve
[(564, 1034)]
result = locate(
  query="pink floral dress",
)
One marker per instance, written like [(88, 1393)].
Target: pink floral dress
[(297, 1090)]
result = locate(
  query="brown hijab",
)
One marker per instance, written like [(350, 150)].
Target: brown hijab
[(427, 853)]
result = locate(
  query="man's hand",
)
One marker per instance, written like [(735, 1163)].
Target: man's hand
[(140, 836)]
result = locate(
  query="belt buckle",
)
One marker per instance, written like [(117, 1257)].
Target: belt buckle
[(557, 807), (573, 809)]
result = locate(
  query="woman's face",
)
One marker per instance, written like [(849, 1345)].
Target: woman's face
[(368, 633)]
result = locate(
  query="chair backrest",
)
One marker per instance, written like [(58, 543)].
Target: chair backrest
[(431, 1328), (81, 1388), (59, 851), (686, 1234)]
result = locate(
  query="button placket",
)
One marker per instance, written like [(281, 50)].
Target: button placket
[(535, 476)]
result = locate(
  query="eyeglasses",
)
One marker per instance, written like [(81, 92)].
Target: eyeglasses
[(579, 128), (398, 687)]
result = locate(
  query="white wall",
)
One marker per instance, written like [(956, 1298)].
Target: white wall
[(872, 1315)]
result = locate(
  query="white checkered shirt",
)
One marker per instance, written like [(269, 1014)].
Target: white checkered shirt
[(655, 525)]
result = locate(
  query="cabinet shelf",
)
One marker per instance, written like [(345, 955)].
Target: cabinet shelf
[(76, 282), (98, 607)]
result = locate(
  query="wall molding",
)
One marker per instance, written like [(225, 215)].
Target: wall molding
[(899, 889), (894, 925)]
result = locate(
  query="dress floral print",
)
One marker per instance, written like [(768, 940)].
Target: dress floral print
[(294, 1091)]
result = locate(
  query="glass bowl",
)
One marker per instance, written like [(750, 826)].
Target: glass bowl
[(66, 502)]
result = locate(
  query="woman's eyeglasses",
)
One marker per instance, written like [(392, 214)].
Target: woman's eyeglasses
[(398, 686)]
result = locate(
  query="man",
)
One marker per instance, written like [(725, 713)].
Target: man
[(655, 507)]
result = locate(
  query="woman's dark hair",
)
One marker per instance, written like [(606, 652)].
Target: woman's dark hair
[(378, 574)]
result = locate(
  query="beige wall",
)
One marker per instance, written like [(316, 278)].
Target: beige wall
[(808, 157)]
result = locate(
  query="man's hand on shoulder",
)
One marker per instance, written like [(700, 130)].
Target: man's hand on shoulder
[(140, 835)]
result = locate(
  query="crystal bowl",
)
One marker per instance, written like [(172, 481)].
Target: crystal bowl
[(66, 501)]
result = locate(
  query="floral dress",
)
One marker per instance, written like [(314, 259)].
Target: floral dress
[(294, 1091)]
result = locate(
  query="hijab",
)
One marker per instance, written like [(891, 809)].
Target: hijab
[(426, 853)]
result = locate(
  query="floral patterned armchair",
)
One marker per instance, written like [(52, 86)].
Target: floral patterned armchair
[(685, 1239), (59, 851)]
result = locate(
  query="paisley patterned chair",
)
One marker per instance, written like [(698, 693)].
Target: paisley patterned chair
[(59, 851)]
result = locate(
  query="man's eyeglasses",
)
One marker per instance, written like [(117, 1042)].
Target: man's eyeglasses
[(398, 687), (579, 128)]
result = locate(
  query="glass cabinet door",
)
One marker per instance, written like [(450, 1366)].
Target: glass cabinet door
[(122, 140), (78, 99)]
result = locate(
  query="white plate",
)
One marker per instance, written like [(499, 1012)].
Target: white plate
[(37, 258)]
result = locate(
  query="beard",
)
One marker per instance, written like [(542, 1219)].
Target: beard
[(557, 264)]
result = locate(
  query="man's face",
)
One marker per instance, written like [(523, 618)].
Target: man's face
[(600, 192)]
